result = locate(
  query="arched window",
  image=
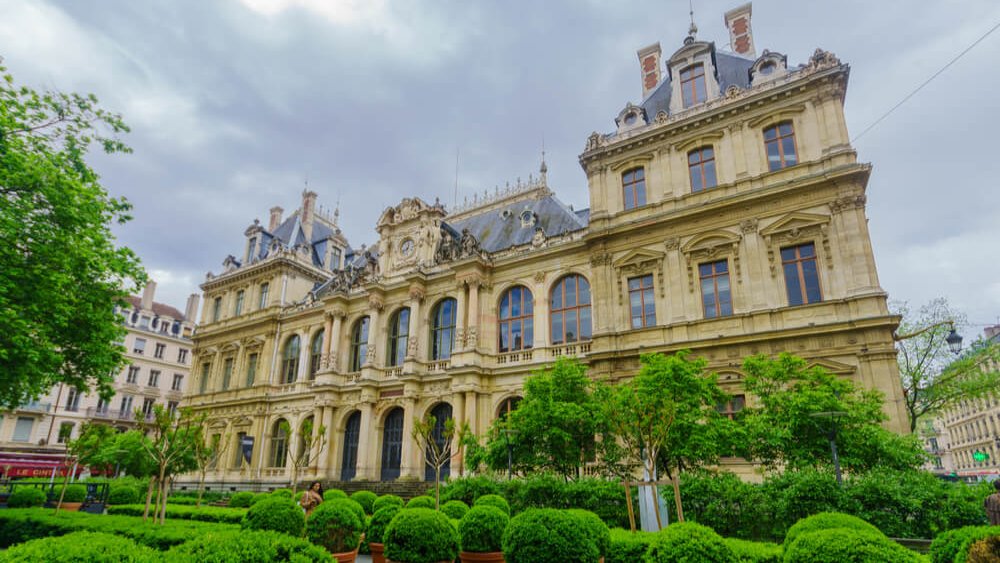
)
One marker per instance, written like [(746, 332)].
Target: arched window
[(571, 310), (399, 332), (290, 360), (441, 413), (508, 406), (779, 141), (693, 85), (352, 432), (279, 444), (443, 330), (359, 343), (516, 328), (316, 353), (701, 169), (392, 445)]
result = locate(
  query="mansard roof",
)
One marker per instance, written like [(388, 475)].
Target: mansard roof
[(514, 224), (291, 234)]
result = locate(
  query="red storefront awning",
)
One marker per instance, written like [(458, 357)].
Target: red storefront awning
[(33, 465)]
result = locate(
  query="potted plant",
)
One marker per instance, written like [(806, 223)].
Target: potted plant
[(420, 535), (336, 526), (376, 530), (481, 532), (73, 497)]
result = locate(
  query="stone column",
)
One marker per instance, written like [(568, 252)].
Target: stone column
[(460, 317), (473, 330), (540, 313), (324, 357), (333, 338), (413, 337), (366, 439), (375, 305), (472, 410), (306, 345), (409, 465)]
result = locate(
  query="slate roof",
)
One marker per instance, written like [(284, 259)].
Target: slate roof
[(160, 309), (729, 68), (501, 227), (290, 233)]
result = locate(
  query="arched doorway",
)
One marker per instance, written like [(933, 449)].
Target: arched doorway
[(392, 445), (441, 413), (352, 431)]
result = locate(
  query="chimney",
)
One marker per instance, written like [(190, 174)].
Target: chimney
[(740, 34), (147, 296), (275, 218), (649, 62), (992, 331), (192, 308), (308, 213)]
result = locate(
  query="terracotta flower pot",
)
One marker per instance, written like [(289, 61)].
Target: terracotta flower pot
[(472, 557), (71, 506), (346, 557), (377, 549)]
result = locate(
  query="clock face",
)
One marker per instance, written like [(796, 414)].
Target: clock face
[(407, 247)]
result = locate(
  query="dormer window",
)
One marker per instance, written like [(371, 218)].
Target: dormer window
[(767, 68), (527, 218), (693, 85)]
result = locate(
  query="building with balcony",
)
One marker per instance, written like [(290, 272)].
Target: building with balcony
[(158, 349), (727, 216)]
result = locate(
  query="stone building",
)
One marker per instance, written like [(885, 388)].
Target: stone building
[(727, 215), (158, 349)]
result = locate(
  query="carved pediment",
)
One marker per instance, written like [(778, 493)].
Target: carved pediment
[(796, 228), (711, 241), (230, 347), (832, 366), (794, 222), (639, 261), (710, 246), (638, 258)]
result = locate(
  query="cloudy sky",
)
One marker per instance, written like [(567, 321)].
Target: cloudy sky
[(235, 104)]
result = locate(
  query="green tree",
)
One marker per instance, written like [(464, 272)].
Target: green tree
[(207, 452), (170, 449), (781, 427), (438, 449), (61, 273), (310, 444), (932, 377)]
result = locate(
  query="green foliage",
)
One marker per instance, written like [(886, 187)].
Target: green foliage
[(331, 494), (62, 271), (840, 545), (385, 501), (688, 541), (247, 547), (352, 505), (545, 535), (241, 499), (953, 546), (420, 535), (495, 501), (286, 493), (727, 504), (421, 502), (628, 547), (182, 500), (481, 529), (184, 512), (366, 499), (26, 497), (336, 526), (755, 552), (596, 529), (276, 513), (122, 494), (827, 521), (380, 521), (468, 489), (81, 547), (455, 509), (986, 550), (797, 494), (259, 497), (75, 493)]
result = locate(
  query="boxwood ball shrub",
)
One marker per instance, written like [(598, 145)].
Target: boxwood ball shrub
[(547, 535), (336, 526), (241, 499), (366, 499), (277, 513), (387, 500), (827, 521), (421, 502), (81, 547), (626, 546), (259, 497), (379, 522), (838, 545), (984, 551), (755, 552), (26, 497), (123, 494), (495, 501), (331, 494), (688, 541), (454, 509), (595, 527), (247, 547), (287, 493), (420, 535), (75, 493), (481, 529), (953, 545)]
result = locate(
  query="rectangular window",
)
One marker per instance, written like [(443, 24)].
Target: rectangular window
[(73, 400), (139, 347), (182, 356), (102, 405), (693, 89), (731, 408), (65, 432), (203, 384), (335, 258), (227, 373), (178, 382), (251, 369), (262, 303), (642, 306), (172, 407), (133, 375), (154, 378), (779, 140), (634, 188), (126, 410), (158, 352), (716, 297), (216, 309), (238, 450), (147, 407), (238, 308), (801, 274), (144, 322), (701, 168), (22, 429)]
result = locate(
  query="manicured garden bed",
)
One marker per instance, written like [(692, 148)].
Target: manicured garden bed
[(184, 512)]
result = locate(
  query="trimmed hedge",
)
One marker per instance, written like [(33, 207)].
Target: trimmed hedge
[(387, 500), (366, 499), (421, 535), (827, 521), (688, 541), (422, 502), (953, 546), (379, 522), (183, 500), (74, 493), (336, 526), (241, 499), (331, 494), (496, 501), (123, 494), (277, 513), (628, 547), (455, 509), (755, 552), (26, 497), (242, 546), (836, 545), (286, 493), (595, 528), (546, 535), (481, 529), (203, 514), (81, 547)]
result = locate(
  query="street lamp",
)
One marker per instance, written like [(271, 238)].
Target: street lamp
[(954, 339), (832, 436), (507, 433)]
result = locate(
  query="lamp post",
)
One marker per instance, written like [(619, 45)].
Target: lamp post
[(832, 436), (507, 433), (954, 339)]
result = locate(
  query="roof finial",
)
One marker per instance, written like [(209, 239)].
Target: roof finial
[(544, 168), (336, 210), (693, 30)]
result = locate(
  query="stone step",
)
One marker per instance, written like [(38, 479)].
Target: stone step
[(404, 489)]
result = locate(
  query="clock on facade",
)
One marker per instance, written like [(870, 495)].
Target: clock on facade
[(406, 249)]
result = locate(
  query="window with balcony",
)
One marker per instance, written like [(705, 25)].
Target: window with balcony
[(443, 329), (701, 169), (359, 343), (779, 142), (103, 404), (154, 378), (693, 89), (139, 347), (126, 406), (147, 407), (290, 359), (172, 407), (22, 429), (571, 310), (159, 350), (399, 331), (642, 305), (516, 325), (801, 274), (634, 188), (716, 297)]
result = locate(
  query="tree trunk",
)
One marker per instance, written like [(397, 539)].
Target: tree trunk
[(161, 501), (201, 488), (149, 498), (437, 487), (676, 479), (63, 491)]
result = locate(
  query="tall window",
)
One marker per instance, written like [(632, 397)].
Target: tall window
[(716, 298), (238, 450), (359, 343), (159, 350), (516, 328), (147, 407), (508, 406), (443, 330), (65, 432), (182, 356), (642, 306), (399, 332), (203, 384), (139, 347), (290, 360), (779, 140), (349, 461), (238, 307), (102, 404), (154, 378), (227, 373), (634, 187), (216, 309), (126, 410), (133, 375), (279, 445), (693, 85), (177, 383), (251, 369), (316, 353), (262, 302), (731, 408), (571, 310), (801, 274), (73, 400), (701, 167)]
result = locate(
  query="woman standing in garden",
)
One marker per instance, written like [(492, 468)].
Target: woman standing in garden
[(311, 498)]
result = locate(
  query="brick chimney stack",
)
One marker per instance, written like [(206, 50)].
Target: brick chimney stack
[(275, 218), (649, 62), (740, 34), (308, 212), (147, 296), (192, 307)]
